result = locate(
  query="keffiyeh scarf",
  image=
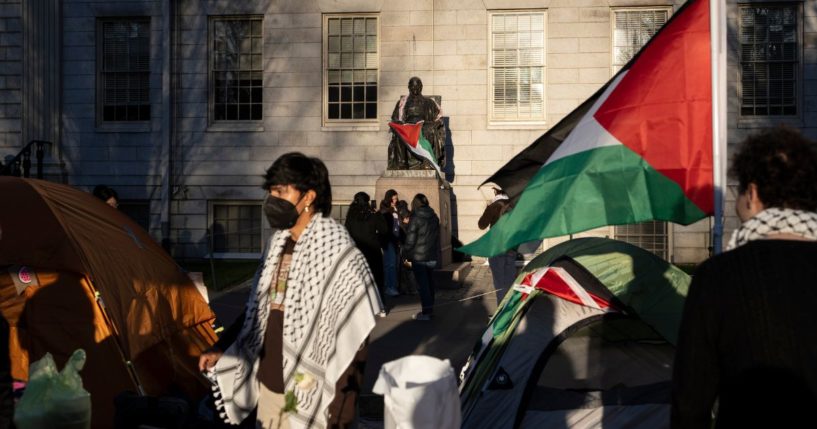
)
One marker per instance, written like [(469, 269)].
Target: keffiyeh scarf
[(330, 307), (775, 221)]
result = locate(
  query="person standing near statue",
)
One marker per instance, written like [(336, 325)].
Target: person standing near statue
[(405, 151), (503, 265)]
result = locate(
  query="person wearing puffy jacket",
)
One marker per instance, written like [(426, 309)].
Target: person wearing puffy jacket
[(421, 248)]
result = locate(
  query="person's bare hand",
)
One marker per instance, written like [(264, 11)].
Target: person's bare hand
[(209, 358)]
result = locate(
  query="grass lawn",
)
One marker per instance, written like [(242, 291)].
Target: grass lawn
[(227, 272)]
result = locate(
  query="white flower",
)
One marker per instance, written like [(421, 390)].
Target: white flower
[(305, 381)]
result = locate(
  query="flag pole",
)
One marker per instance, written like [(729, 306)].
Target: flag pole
[(717, 27)]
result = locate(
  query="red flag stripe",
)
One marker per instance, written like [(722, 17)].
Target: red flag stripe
[(410, 133), (662, 108)]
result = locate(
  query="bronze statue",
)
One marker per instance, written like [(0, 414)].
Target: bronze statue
[(412, 109)]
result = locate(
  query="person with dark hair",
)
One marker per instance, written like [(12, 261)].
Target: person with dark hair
[(391, 248), (370, 232), (107, 194), (421, 248), (748, 331), (503, 265), (297, 354)]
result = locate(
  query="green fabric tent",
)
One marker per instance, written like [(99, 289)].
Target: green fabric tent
[(546, 360)]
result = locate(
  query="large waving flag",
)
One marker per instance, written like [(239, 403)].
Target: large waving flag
[(412, 136), (640, 149)]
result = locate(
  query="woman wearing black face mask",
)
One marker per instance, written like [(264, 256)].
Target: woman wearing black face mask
[(312, 305)]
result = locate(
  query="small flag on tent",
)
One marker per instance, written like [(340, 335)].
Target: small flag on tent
[(412, 136), (639, 149)]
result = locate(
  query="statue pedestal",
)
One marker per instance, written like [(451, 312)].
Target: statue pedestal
[(408, 183)]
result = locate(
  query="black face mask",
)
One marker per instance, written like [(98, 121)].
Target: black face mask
[(281, 214)]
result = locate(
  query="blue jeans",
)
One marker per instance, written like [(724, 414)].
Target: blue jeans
[(390, 268), (425, 283)]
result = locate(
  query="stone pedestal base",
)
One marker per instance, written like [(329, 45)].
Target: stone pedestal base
[(409, 183)]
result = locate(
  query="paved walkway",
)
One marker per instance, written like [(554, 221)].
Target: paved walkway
[(460, 317)]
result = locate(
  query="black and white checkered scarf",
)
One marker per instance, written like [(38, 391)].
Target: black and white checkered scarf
[(775, 221), (330, 307)]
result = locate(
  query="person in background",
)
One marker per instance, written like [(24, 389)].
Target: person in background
[(107, 194), (748, 334), (298, 352), (370, 232), (391, 249), (421, 248), (503, 265)]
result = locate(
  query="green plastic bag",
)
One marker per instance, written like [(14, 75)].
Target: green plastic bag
[(55, 400)]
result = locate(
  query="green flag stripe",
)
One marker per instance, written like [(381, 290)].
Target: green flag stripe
[(425, 145), (604, 186)]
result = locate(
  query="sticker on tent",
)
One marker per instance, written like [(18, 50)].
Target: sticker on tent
[(22, 277)]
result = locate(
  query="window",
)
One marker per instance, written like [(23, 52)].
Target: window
[(518, 66), (632, 28), (769, 60), (650, 236), (236, 227), (123, 69), (339, 211), (351, 68), (236, 69)]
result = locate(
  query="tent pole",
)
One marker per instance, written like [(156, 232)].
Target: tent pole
[(131, 369)]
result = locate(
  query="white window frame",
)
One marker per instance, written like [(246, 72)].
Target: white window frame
[(617, 230), (750, 121), (240, 124), (262, 229), (119, 125), (614, 68), (495, 122), (348, 124)]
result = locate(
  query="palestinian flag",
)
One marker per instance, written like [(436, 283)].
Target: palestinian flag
[(412, 136), (639, 149)]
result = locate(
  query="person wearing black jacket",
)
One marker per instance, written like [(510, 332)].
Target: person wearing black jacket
[(748, 333), (421, 248), (370, 232), (391, 247)]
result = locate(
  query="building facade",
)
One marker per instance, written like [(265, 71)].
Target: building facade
[(181, 105)]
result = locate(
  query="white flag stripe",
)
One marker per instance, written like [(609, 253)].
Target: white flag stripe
[(588, 133), (577, 289)]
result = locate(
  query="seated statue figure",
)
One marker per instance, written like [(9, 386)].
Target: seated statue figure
[(411, 109)]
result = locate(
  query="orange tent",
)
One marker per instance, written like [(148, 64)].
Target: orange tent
[(76, 273)]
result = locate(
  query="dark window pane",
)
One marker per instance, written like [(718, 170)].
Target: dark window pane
[(346, 111), (244, 112), (346, 93), (371, 93), (358, 111), (257, 95), (218, 112), (359, 93), (334, 111), (371, 110), (334, 94), (232, 112)]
